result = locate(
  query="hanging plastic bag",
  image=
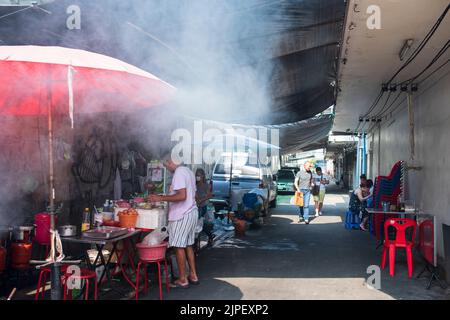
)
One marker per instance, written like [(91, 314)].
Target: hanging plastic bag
[(209, 217), (199, 226), (156, 237)]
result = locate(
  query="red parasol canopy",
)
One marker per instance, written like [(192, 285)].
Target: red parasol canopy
[(44, 80), (90, 82)]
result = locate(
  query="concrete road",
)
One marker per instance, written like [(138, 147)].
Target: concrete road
[(288, 260)]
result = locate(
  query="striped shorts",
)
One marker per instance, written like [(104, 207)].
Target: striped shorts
[(182, 232)]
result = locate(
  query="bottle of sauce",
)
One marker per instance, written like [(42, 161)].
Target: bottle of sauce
[(86, 223)]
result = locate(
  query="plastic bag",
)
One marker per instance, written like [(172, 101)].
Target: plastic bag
[(298, 199), (199, 226), (156, 237), (209, 217)]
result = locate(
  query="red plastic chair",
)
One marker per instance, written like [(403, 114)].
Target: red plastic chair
[(400, 241)]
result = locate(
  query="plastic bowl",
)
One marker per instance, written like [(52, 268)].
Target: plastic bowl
[(152, 253)]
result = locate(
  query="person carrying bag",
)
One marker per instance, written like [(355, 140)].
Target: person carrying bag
[(303, 182), (297, 199)]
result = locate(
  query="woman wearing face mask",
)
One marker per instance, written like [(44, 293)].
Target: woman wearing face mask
[(203, 192)]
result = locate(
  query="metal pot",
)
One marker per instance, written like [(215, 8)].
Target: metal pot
[(5, 235), (22, 234), (67, 231)]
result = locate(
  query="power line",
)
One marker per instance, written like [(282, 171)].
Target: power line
[(410, 59), (374, 104), (423, 80), (381, 115), (436, 70), (385, 104), (422, 44), (435, 59)]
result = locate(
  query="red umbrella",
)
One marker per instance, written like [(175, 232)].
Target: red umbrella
[(43, 80), (30, 75)]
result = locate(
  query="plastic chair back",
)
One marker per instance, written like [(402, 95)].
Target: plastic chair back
[(401, 226)]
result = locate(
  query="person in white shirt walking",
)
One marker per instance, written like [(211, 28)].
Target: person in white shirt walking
[(320, 181)]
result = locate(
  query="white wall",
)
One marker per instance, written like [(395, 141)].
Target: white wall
[(429, 187)]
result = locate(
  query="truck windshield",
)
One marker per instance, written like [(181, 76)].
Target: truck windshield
[(242, 165)]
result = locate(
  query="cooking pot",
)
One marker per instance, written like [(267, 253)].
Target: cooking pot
[(5, 235), (67, 231), (22, 234)]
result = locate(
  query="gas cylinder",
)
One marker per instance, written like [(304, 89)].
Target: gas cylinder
[(42, 222), (2, 259), (21, 255)]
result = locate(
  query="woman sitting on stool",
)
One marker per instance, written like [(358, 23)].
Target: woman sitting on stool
[(358, 203)]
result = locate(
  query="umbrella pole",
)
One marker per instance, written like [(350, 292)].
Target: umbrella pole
[(230, 184), (56, 292)]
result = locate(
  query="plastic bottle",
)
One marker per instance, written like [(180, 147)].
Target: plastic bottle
[(106, 207), (98, 217), (86, 223)]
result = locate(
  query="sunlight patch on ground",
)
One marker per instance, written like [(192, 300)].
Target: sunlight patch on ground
[(305, 288), (319, 220)]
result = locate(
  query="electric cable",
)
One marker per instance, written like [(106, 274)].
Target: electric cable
[(435, 59), (384, 106), (422, 44), (409, 60)]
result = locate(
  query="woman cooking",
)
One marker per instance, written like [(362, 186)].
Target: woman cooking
[(203, 192)]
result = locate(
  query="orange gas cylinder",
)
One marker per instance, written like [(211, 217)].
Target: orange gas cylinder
[(2, 259), (21, 255)]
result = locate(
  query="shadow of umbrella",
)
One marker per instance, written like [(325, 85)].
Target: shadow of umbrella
[(42, 81)]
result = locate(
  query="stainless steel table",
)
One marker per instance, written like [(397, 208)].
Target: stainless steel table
[(100, 244)]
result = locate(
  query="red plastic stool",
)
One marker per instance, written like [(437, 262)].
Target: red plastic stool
[(400, 241), (43, 279), (85, 274), (145, 263)]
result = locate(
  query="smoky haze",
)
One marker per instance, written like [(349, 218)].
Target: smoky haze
[(215, 53)]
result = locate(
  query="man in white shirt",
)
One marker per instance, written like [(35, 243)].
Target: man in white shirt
[(320, 181), (183, 216)]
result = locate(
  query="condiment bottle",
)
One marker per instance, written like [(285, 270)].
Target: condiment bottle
[(86, 223)]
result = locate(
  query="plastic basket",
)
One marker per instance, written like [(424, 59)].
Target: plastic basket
[(128, 220), (152, 253)]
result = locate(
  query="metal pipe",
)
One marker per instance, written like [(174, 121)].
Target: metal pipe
[(56, 292), (364, 161)]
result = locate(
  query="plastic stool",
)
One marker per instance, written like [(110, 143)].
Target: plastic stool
[(145, 263), (85, 274), (352, 220), (43, 279)]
